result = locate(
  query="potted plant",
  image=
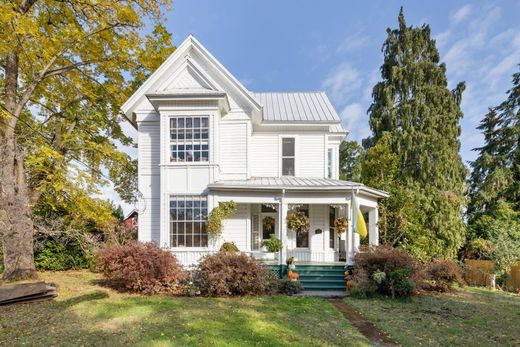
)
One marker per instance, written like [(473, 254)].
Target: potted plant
[(271, 247), (298, 221), (291, 263), (340, 225)]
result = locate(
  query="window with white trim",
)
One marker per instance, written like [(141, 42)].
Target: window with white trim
[(188, 216), (329, 162), (189, 139), (288, 156)]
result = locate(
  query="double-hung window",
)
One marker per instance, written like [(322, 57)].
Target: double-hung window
[(188, 216), (189, 139), (288, 156), (329, 163)]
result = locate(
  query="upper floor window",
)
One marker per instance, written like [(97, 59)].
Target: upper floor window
[(288, 156), (329, 163), (189, 139)]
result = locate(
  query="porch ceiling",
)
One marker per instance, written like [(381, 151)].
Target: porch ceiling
[(295, 184)]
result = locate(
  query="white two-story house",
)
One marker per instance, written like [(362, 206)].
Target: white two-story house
[(204, 138)]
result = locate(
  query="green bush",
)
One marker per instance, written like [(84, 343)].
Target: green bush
[(229, 247), (289, 286), (56, 257), (273, 244)]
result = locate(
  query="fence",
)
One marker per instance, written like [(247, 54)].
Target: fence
[(478, 271)]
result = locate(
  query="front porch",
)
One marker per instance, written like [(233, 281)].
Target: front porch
[(263, 206)]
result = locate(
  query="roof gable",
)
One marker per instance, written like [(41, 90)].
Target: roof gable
[(190, 68)]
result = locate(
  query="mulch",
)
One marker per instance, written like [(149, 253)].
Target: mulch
[(367, 328)]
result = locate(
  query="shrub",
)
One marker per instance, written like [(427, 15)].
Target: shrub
[(441, 275), (273, 244), (224, 274), (58, 257), (386, 271), (140, 267), (289, 287), (229, 247)]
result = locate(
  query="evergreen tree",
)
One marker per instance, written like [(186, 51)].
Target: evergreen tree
[(495, 177), (417, 116), (350, 155)]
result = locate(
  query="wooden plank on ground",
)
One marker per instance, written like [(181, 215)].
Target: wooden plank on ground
[(26, 292)]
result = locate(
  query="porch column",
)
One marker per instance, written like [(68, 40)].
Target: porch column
[(373, 232), (350, 236), (282, 213)]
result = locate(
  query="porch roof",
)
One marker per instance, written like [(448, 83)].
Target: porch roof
[(295, 184)]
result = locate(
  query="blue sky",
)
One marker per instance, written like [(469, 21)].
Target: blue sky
[(336, 46)]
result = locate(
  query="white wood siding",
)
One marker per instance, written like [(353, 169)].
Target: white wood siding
[(264, 155), (310, 156), (237, 227), (233, 149), (149, 183)]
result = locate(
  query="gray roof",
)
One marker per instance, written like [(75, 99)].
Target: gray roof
[(294, 183), (299, 107)]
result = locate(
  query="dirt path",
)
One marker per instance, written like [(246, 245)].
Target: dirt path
[(367, 328)]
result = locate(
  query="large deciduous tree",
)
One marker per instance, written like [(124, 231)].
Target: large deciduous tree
[(65, 68), (414, 120)]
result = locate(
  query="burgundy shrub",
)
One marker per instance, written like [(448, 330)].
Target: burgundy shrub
[(226, 274), (441, 275), (140, 267)]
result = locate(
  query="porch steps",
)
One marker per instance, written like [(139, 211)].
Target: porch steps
[(322, 277)]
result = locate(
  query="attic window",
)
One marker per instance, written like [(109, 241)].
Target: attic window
[(189, 139)]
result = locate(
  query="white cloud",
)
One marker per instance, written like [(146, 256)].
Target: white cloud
[(352, 42), (342, 82), (461, 14), (355, 121)]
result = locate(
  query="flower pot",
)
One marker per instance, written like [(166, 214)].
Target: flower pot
[(291, 266)]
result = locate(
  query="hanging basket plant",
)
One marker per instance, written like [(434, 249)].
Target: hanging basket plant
[(298, 221), (268, 223), (340, 225), (218, 214)]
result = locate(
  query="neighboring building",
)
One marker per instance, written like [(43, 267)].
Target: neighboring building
[(204, 138), (131, 221)]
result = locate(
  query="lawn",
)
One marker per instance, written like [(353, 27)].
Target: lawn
[(85, 313), (468, 317)]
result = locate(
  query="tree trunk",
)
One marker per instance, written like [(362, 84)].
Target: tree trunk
[(16, 227)]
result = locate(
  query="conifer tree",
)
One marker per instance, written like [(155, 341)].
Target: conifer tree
[(495, 177), (418, 117)]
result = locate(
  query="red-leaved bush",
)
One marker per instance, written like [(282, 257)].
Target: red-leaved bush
[(140, 267), (225, 274), (441, 275), (385, 270)]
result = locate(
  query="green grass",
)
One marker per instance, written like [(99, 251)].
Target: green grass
[(468, 317), (86, 314)]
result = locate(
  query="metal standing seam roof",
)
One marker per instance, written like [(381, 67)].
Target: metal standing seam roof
[(294, 183), (299, 107)]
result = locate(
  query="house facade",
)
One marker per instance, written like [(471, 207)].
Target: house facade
[(203, 138)]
